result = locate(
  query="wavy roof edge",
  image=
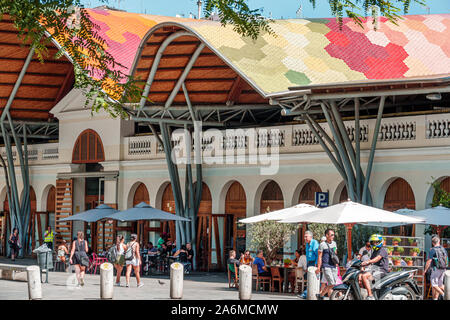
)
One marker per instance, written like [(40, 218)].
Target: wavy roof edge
[(305, 53)]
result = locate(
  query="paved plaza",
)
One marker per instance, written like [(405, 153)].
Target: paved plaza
[(197, 286)]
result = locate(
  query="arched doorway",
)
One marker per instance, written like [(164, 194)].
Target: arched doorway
[(141, 195), (88, 152), (271, 198), (399, 195), (168, 205), (308, 193), (204, 227), (308, 196), (235, 209)]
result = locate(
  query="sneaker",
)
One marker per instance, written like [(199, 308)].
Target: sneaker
[(117, 284), (319, 297), (370, 298), (128, 285), (82, 282), (140, 285)]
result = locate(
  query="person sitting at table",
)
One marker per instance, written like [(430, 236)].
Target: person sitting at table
[(190, 254), (183, 255), (163, 249), (246, 258), (232, 262), (174, 247), (260, 262), (298, 262), (162, 239), (151, 249)]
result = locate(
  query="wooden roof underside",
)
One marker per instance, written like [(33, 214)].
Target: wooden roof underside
[(43, 85), (210, 81)]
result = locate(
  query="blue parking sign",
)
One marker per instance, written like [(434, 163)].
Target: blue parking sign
[(322, 199)]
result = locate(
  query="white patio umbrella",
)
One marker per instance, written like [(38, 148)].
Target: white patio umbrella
[(404, 211), (350, 213), (294, 211), (438, 217)]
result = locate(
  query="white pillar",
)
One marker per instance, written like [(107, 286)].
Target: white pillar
[(176, 280), (447, 285), (34, 283), (313, 284), (106, 281), (245, 282)]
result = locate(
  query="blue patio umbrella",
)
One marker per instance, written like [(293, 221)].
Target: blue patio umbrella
[(143, 211), (100, 212)]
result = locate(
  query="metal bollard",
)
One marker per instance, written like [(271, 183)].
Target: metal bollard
[(34, 283), (313, 284), (245, 282), (176, 280), (447, 285), (106, 281)]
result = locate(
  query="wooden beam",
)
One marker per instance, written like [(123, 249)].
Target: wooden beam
[(235, 91)]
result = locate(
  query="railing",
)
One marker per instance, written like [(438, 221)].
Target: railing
[(399, 132), (36, 153)]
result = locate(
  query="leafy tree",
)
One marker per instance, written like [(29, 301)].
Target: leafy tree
[(440, 197), (270, 236)]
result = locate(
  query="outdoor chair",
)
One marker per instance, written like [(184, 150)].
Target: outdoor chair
[(233, 282), (260, 279), (276, 276), (97, 261), (300, 282)]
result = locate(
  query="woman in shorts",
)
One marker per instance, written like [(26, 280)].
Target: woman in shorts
[(135, 262)]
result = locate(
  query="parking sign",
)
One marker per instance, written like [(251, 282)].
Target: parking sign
[(322, 199)]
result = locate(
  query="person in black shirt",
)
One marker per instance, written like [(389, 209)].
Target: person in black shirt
[(190, 253), (378, 262), (183, 254)]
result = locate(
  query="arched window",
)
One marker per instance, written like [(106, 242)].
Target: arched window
[(88, 148)]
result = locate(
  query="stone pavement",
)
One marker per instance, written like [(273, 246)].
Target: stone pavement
[(197, 286)]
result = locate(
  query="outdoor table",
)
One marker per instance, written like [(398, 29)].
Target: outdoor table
[(285, 273)]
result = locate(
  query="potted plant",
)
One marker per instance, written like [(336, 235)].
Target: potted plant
[(415, 251), (412, 242), (396, 261), (396, 241), (287, 262), (409, 261), (400, 250), (390, 250)]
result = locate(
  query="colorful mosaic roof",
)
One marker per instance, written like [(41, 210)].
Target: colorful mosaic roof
[(304, 52)]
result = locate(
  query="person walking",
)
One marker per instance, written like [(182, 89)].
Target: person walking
[(79, 257), (328, 262), (62, 253), (48, 238), (438, 262), (119, 250), (134, 262), (14, 244)]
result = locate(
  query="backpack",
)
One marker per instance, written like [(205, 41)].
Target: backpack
[(129, 254), (441, 258), (112, 254), (333, 255)]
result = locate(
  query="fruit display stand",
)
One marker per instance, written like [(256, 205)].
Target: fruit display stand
[(406, 253)]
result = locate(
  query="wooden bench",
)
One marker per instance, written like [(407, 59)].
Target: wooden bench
[(13, 272)]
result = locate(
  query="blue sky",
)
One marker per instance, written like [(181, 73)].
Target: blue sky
[(279, 9)]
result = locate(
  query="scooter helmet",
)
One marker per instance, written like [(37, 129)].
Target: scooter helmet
[(376, 241)]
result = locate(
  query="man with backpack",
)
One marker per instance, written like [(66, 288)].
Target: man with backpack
[(437, 261), (328, 262)]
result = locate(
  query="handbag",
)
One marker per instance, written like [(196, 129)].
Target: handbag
[(333, 255), (84, 260)]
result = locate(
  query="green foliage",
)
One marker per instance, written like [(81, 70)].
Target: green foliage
[(396, 239), (318, 230), (101, 78), (408, 259), (417, 250), (360, 234), (270, 236), (400, 250), (440, 197), (247, 22), (287, 261), (391, 9), (395, 258), (390, 250)]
